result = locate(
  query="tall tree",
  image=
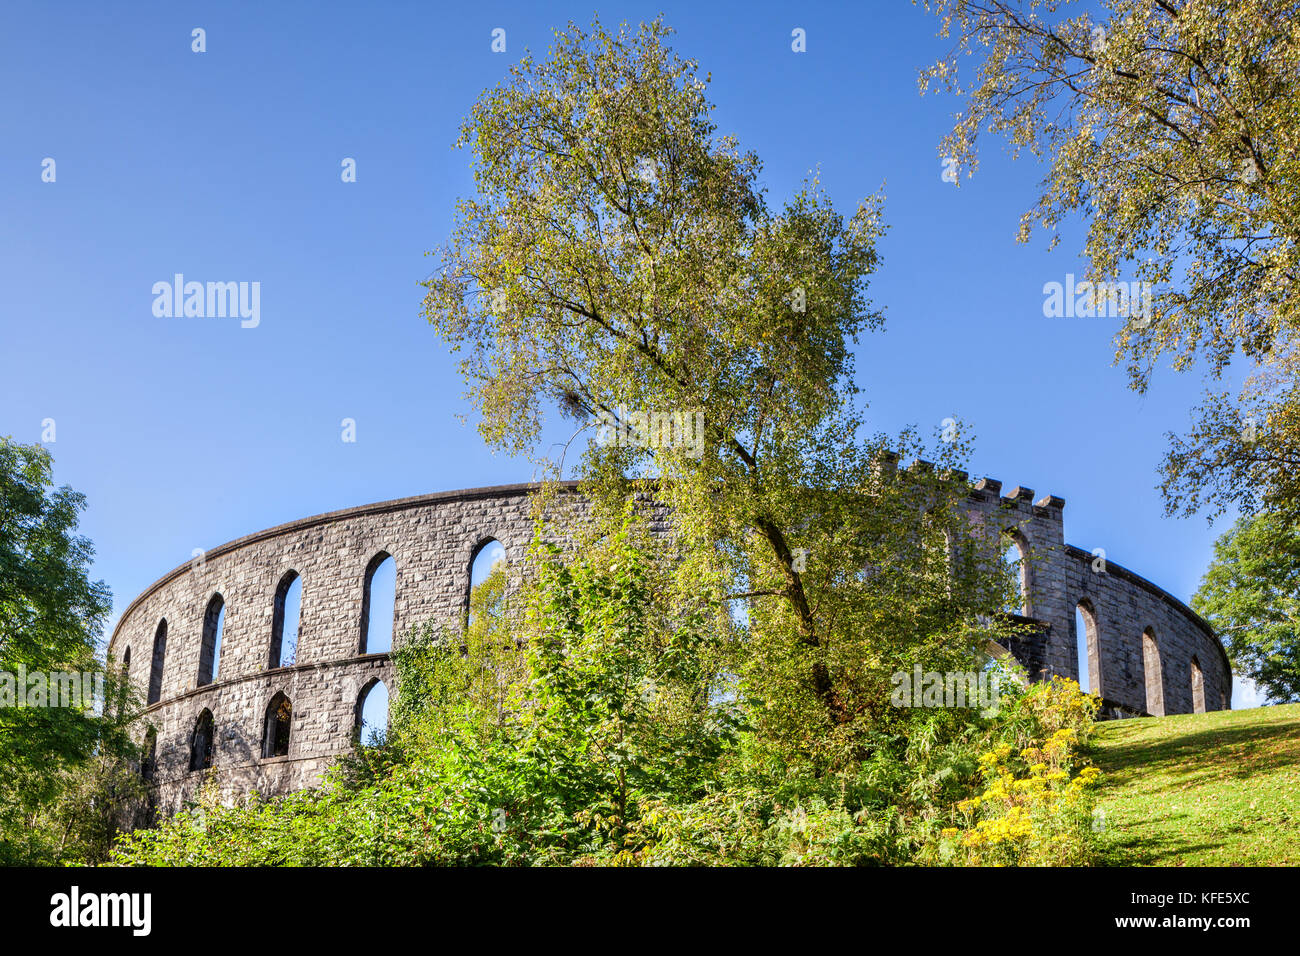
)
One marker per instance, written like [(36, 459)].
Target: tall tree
[(1173, 129), (621, 262), (1251, 595), (51, 616)]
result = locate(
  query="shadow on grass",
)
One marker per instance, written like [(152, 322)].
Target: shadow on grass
[(1205, 755), (1157, 850), (1149, 851), (1154, 767)]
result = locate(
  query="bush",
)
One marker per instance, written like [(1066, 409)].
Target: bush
[(1036, 805), (590, 731)]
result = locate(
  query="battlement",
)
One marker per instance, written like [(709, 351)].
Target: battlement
[(1020, 499), (986, 490)]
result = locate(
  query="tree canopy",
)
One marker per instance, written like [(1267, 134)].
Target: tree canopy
[(1172, 129), (1251, 596), (620, 260), (57, 759), (701, 672)]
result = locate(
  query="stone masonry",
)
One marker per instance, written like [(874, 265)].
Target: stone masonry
[(433, 540)]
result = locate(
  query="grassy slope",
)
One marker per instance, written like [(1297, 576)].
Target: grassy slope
[(1216, 789)]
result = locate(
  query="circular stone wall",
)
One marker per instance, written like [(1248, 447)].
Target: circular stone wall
[(1147, 648)]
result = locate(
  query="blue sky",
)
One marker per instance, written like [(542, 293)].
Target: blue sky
[(225, 166)]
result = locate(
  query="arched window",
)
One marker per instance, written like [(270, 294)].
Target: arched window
[(993, 651), (1085, 642), (487, 556), (372, 714), (999, 658), (284, 621), (156, 664), (1151, 670), (1198, 687), (377, 598), (201, 742), (279, 717), (150, 761), (119, 695), (214, 620), (1015, 553), (939, 553)]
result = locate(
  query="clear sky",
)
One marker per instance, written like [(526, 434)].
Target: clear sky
[(226, 165)]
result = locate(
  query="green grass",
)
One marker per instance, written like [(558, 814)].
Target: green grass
[(1216, 789)]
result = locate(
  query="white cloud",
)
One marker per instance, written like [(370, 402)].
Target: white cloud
[(1245, 694)]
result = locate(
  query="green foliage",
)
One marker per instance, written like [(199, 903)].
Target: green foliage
[(1207, 790), (1171, 128), (66, 769), (1250, 595), (899, 806), (472, 675), (1035, 807), (720, 693), (618, 253), (625, 682), (537, 738), (574, 279), (624, 744)]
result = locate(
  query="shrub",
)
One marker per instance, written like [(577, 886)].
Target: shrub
[(1036, 804)]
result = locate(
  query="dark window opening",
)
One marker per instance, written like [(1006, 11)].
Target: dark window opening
[(279, 717), (150, 762), (201, 743), (156, 665)]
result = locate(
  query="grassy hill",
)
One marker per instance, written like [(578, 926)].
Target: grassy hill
[(1216, 789)]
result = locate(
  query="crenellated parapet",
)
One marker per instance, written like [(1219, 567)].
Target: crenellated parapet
[(1147, 652)]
